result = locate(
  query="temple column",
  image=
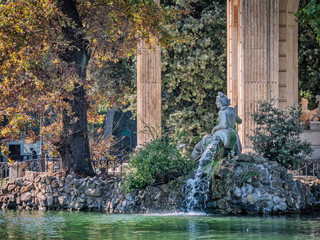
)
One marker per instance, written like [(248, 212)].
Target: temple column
[(148, 92), (262, 56)]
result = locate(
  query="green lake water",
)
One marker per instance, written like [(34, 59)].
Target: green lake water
[(90, 225)]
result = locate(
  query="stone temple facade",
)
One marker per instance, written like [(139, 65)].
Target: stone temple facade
[(262, 56)]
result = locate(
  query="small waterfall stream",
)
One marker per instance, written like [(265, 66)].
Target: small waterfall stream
[(197, 189)]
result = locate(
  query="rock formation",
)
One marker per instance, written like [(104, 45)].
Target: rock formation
[(244, 184)]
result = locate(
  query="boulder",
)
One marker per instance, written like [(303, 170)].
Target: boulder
[(26, 197), (49, 179), (64, 200), (96, 192), (252, 198), (11, 187), (55, 184), (27, 187), (282, 207)]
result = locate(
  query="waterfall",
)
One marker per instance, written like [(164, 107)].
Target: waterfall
[(197, 189)]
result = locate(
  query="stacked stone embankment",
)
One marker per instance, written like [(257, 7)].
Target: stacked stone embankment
[(243, 185), (252, 184), (43, 191)]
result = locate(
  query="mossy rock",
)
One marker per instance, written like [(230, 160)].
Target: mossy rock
[(174, 185), (245, 158)]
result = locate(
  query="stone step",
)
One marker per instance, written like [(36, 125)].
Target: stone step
[(295, 172), (310, 180)]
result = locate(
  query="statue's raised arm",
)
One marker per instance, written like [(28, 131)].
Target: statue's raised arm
[(224, 131)]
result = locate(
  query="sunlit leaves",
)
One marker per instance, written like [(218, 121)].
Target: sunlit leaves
[(114, 27), (35, 76), (29, 37)]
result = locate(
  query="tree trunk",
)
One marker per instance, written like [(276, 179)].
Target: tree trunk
[(75, 151), (74, 143)]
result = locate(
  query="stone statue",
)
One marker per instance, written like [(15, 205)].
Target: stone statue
[(224, 131), (318, 101), (309, 115)]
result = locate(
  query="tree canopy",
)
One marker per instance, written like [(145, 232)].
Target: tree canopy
[(50, 56), (309, 14), (309, 59)]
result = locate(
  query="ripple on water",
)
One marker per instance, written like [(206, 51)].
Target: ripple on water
[(173, 226), (176, 214)]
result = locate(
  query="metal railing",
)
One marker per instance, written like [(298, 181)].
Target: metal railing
[(111, 166), (4, 173), (52, 165), (308, 172), (15, 169), (18, 158)]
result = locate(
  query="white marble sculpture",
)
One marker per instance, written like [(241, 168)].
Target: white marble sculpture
[(224, 131)]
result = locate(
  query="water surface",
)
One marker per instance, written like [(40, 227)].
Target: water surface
[(90, 225)]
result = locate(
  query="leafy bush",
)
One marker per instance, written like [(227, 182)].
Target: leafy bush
[(158, 162), (194, 71), (277, 134)]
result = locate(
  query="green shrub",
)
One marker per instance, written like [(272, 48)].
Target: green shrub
[(276, 136), (158, 162)]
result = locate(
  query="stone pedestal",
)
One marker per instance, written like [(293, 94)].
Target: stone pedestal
[(16, 170), (312, 136), (315, 126)]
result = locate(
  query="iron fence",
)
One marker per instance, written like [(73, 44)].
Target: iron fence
[(18, 158), (308, 172), (112, 166), (4, 173)]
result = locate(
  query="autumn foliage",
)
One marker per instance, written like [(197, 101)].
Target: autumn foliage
[(51, 53)]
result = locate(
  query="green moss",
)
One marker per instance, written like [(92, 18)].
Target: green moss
[(233, 142), (174, 185), (225, 178)]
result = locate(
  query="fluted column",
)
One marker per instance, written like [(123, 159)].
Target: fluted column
[(148, 92)]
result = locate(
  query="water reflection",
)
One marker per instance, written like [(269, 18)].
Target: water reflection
[(88, 225)]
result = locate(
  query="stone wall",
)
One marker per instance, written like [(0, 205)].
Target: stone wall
[(252, 184), (42, 191), (243, 185)]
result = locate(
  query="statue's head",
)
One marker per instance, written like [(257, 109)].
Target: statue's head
[(222, 100)]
